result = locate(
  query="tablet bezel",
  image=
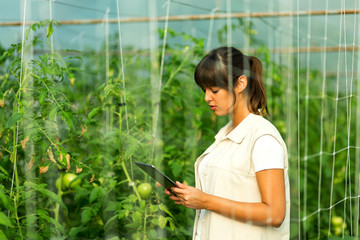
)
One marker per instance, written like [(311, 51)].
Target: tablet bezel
[(156, 174)]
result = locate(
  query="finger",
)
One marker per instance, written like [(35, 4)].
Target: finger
[(172, 197), (158, 184), (177, 190), (181, 185)]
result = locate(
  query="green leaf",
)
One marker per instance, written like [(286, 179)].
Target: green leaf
[(2, 235), (27, 33), (13, 119), (96, 193), (4, 220), (43, 214), (42, 97), (75, 230), (154, 208), (11, 51), (93, 112), (111, 206), (112, 219), (41, 188), (165, 209), (172, 225), (35, 40), (86, 215), (50, 29), (3, 56), (131, 145), (34, 26), (162, 221), (136, 217), (68, 119), (175, 168)]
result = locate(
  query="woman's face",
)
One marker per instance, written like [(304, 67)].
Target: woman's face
[(219, 99)]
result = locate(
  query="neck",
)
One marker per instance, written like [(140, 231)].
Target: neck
[(238, 118), (240, 112)]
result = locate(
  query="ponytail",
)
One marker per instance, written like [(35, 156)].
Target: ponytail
[(256, 88)]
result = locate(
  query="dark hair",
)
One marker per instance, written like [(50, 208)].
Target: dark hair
[(216, 67)]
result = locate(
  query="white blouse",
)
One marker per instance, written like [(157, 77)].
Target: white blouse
[(267, 154)]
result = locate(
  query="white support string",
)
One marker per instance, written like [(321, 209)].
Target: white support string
[(322, 118), (51, 19), (306, 137), (19, 98), (306, 158), (348, 113), (305, 218), (298, 113), (357, 152), (335, 124), (123, 80), (211, 26), (107, 61), (229, 44), (158, 99)]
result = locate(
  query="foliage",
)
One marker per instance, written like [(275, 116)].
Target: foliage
[(65, 112)]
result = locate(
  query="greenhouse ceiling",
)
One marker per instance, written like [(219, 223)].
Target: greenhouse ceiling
[(68, 36)]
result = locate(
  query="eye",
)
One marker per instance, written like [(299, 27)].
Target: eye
[(214, 90)]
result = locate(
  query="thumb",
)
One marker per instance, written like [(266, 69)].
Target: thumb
[(181, 185)]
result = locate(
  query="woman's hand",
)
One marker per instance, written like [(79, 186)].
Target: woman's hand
[(188, 196)]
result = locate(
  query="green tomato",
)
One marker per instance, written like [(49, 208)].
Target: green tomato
[(336, 220), (144, 190), (136, 236), (57, 183), (67, 178)]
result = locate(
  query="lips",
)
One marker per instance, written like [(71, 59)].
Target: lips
[(212, 107)]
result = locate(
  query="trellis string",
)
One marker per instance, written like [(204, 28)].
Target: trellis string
[(335, 122), (123, 81), (298, 111), (157, 106), (19, 98), (306, 137), (322, 117)]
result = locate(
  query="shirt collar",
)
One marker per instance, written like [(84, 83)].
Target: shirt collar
[(237, 134)]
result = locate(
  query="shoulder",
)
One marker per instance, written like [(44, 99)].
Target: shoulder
[(262, 127)]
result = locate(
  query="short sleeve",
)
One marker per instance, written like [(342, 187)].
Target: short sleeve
[(267, 154)]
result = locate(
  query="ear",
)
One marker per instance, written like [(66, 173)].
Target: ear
[(241, 84)]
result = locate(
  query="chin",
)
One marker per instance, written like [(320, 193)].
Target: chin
[(221, 114)]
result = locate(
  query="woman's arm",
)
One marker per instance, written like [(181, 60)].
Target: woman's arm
[(271, 211)]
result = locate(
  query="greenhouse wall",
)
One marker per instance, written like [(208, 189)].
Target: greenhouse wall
[(88, 88)]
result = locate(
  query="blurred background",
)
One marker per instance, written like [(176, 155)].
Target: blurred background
[(89, 87)]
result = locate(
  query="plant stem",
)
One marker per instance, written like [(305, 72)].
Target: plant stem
[(129, 179), (145, 218), (16, 199)]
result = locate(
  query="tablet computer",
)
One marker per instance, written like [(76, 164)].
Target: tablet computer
[(157, 175)]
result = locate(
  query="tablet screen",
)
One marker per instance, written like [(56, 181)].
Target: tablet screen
[(157, 175)]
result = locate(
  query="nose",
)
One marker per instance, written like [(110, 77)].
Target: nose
[(207, 95)]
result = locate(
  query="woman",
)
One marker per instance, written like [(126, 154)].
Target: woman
[(242, 186)]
